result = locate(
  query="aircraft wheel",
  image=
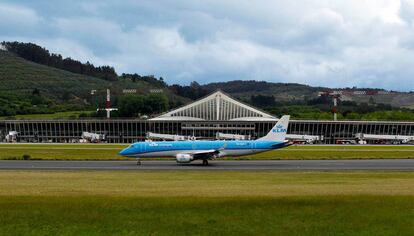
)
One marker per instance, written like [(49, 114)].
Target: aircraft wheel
[(205, 163), (138, 162)]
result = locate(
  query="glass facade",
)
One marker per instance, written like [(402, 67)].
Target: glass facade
[(128, 131)]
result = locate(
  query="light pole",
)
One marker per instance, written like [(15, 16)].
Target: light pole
[(107, 108)]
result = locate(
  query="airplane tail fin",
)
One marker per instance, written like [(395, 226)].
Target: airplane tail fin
[(278, 132)]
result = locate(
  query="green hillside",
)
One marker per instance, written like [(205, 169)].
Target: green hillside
[(27, 88), (23, 77)]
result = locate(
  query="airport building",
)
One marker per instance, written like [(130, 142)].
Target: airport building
[(202, 119)]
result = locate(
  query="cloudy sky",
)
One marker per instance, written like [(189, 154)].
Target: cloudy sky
[(342, 43)]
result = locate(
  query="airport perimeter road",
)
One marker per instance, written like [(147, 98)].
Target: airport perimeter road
[(395, 164)]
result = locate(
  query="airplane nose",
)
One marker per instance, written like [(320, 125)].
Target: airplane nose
[(124, 152)]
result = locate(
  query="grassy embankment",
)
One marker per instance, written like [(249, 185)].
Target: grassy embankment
[(206, 203), (110, 152)]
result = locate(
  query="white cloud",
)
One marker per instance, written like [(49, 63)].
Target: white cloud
[(70, 48), (17, 16), (323, 42)]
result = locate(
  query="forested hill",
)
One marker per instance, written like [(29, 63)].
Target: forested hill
[(281, 91), (248, 91), (30, 88), (37, 54)]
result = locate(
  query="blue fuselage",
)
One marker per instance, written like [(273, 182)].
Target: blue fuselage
[(224, 148)]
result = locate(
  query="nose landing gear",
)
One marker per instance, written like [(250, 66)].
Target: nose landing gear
[(138, 162), (205, 162)]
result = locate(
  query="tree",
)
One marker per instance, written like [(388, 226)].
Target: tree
[(195, 84), (156, 103), (194, 91), (66, 96), (147, 78), (130, 105), (133, 105), (263, 100), (36, 92), (36, 98)]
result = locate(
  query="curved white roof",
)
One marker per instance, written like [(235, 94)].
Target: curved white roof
[(216, 106)]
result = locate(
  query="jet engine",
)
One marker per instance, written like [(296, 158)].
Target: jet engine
[(184, 158)]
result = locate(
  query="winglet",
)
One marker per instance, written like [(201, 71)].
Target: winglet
[(278, 132)]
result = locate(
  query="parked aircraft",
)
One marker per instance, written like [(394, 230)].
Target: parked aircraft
[(188, 151)]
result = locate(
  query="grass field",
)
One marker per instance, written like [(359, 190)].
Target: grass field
[(206, 203), (110, 152)]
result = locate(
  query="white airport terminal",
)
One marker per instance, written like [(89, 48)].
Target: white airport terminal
[(216, 116)]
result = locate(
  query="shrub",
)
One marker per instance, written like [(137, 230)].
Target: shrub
[(26, 157)]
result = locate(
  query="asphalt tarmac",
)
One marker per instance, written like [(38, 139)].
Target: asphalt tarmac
[(278, 165)]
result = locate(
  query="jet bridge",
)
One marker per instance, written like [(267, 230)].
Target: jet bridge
[(232, 136), (88, 137), (12, 137), (394, 139), (309, 139), (151, 136)]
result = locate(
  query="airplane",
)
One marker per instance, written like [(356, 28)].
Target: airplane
[(188, 151)]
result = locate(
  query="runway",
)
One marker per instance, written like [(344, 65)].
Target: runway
[(277, 165)]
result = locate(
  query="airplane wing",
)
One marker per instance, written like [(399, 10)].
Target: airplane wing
[(204, 154)]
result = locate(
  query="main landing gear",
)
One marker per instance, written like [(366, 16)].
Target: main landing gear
[(205, 162), (138, 162)]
